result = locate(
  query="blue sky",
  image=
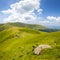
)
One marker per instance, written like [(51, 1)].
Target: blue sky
[(44, 12), (5, 4), (51, 7)]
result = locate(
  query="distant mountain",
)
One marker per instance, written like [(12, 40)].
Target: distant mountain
[(31, 26)]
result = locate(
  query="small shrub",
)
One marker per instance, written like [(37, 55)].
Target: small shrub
[(13, 59), (21, 56)]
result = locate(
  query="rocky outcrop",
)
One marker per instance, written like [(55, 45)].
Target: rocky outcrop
[(39, 48)]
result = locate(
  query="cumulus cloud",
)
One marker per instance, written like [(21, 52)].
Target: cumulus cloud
[(44, 22), (53, 18), (50, 21), (40, 11), (53, 21), (22, 11)]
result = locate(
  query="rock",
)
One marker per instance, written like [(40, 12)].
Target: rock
[(39, 48)]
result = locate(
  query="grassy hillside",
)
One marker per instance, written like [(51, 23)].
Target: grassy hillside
[(31, 26), (17, 43)]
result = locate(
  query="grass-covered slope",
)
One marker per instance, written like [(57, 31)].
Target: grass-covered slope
[(17, 43), (31, 26)]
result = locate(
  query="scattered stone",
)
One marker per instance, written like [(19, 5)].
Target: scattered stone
[(38, 49)]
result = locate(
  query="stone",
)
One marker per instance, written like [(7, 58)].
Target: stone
[(39, 48)]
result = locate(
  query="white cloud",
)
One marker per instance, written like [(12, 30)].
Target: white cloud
[(23, 11), (53, 18), (40, 11), (44, 22), (50, 21)]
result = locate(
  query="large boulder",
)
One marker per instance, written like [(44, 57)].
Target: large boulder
[(39, 48)]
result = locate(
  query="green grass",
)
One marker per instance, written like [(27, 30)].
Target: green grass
[(16, 43), (17, 24)]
